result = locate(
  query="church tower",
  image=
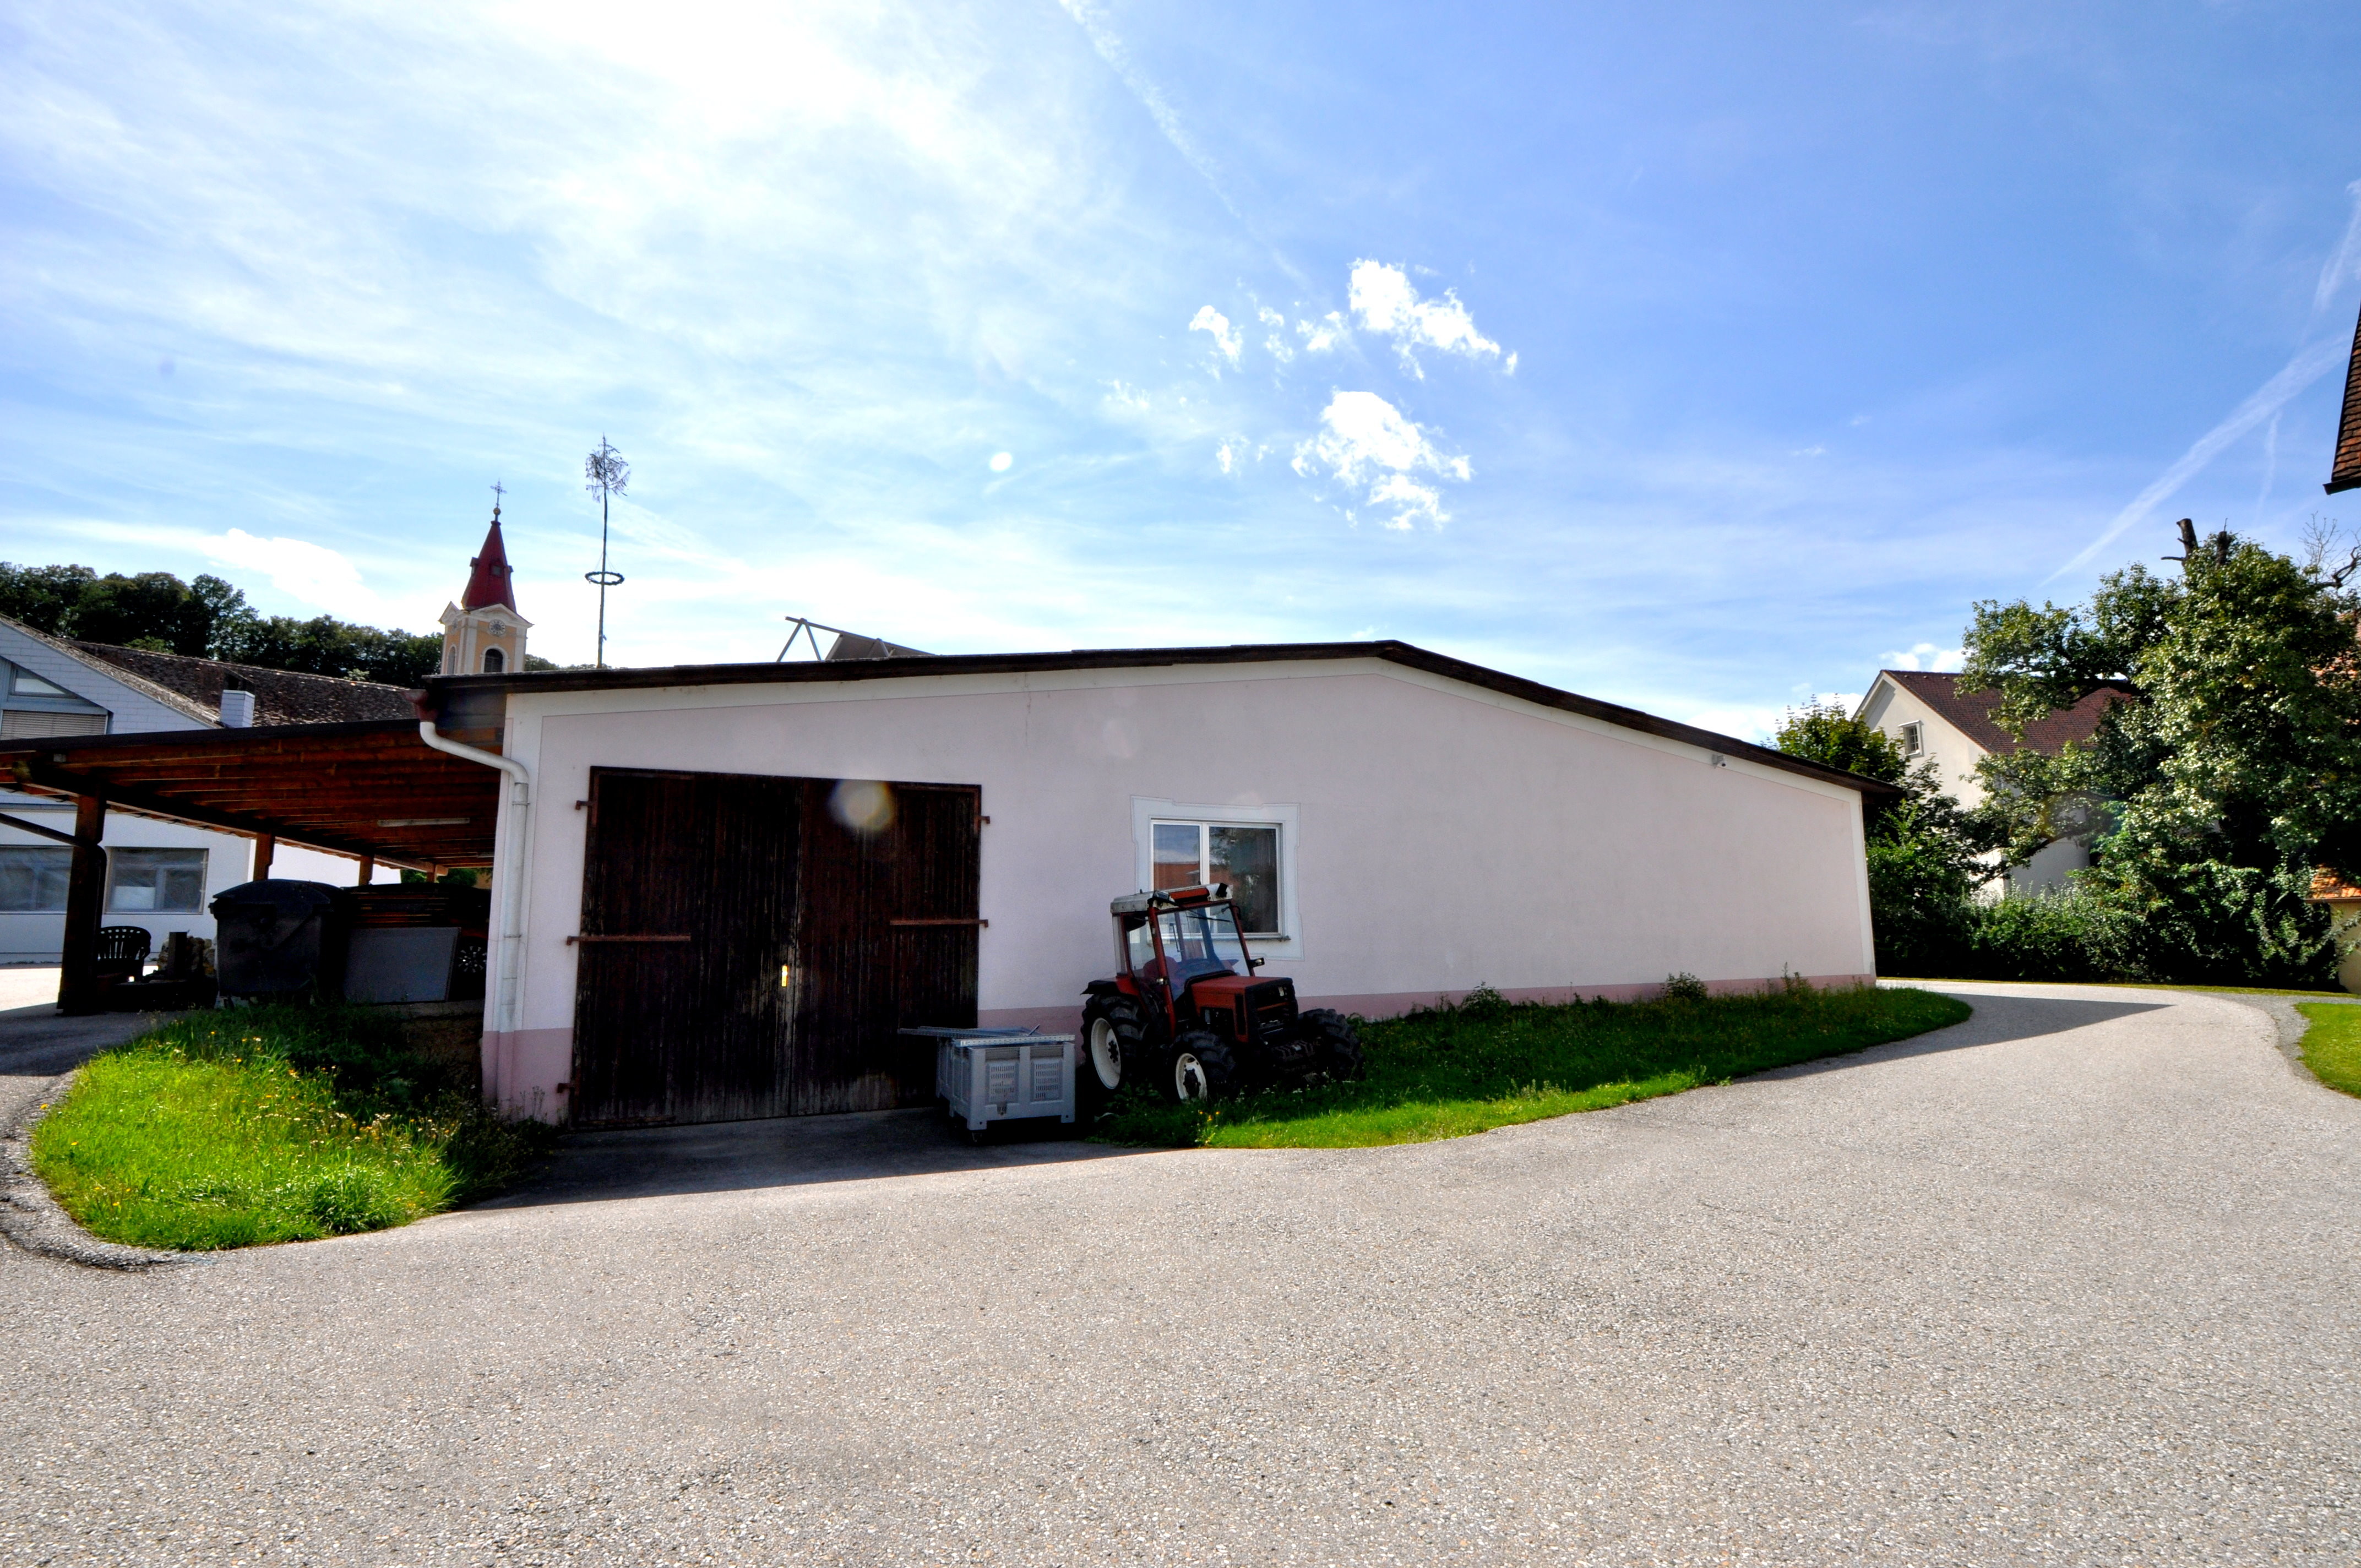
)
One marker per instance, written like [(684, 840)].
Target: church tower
[(483, 634)]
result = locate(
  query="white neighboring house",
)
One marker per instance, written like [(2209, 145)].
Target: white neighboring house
[(1925, 714), (160, 875)]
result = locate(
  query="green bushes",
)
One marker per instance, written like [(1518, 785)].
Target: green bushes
[(2249, 930), (251, 1125)]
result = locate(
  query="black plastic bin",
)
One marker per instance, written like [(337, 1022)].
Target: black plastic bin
[(281, 938)]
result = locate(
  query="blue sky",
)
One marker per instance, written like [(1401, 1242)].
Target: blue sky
[(1700, 357)]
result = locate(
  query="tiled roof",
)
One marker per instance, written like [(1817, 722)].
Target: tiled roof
[(280, 697), (1972, 716), (163, 696), (2344, 471)]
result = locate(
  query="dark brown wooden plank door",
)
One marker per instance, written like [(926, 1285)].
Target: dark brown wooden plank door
[(886, 937), (699, 1030)]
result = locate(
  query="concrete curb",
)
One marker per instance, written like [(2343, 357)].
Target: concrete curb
[(29, 1216)]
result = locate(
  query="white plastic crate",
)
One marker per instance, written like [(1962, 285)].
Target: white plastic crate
[(1002, 1075)]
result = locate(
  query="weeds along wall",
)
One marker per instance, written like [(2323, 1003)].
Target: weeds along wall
[(1436, 835)]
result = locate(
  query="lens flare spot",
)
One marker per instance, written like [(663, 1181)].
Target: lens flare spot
[(865, 806)]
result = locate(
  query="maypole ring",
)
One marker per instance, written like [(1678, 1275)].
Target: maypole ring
[(604, 579)]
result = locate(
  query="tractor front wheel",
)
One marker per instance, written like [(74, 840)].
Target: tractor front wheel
[(1334, 1046), (1203, 1068)]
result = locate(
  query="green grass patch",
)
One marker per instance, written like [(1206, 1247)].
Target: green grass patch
[(2137, 985), (252, 1125), (1446, 1072), (2332, 1043)]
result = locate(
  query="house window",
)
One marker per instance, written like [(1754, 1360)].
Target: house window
[(1912, 737), (494, 661), (33, 881), (1245, 855), (160, 880), (30, 724)]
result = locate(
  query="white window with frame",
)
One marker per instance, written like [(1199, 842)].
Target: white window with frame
[(33, 879), (1912, 737), (155, 882), (32, 709), (1251, 848)]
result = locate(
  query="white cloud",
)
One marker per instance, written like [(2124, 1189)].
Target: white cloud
[(1231, 452), (1756, 724), (1225, 337), (308, 572), (1384, 301), (1925, 656), (1323, 334), (1364, 440), (1275, 341)]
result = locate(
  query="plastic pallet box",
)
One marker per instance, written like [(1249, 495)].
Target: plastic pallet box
[(1003, 1075)]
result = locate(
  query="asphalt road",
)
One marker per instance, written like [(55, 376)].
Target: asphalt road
[(2079, 1281)]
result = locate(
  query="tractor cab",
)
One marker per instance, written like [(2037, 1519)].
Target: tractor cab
[(1175, 947)]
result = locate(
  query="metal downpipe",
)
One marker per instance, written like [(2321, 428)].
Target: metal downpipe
[(508, 874)]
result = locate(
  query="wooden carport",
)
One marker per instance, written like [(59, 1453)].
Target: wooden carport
[(374, 790)]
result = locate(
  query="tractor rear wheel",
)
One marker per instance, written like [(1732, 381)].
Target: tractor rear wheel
[(1113, 1042), (1203, 1068), (1334, 1046)]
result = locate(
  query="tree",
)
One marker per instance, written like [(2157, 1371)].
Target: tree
[(1925, 854), (208, 618), (153, 606), (1827, 734), (2230, 771), (43, 598)]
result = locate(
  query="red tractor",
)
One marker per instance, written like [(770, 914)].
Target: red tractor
[(1186, 1010)]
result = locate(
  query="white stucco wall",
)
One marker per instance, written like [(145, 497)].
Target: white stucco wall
[(1445, 835)]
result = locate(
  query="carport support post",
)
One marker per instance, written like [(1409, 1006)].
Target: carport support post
[(266, 845), (85, 901), (368, 871)]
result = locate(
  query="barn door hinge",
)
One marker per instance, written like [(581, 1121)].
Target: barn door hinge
[(946, 920)]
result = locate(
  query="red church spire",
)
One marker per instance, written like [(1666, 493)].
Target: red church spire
[(487, 584)]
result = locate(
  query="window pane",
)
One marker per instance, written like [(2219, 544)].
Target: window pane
[(1247, 858), (144, 880), (1177, 860), (33, 881)]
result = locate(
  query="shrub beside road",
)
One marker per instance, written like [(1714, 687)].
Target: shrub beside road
[(252, 1125)]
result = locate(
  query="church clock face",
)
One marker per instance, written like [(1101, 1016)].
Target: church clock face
[(499, 628)]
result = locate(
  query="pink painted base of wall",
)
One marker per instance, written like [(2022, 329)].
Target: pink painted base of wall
[(525, 1071), (1394, 1004)]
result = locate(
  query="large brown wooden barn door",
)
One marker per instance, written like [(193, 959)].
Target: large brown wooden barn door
[(681, 1002), (886, 937)]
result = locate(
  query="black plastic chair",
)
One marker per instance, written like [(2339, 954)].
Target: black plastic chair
[(122, 951)]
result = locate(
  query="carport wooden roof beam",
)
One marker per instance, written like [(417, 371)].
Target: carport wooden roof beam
[(368, 789)]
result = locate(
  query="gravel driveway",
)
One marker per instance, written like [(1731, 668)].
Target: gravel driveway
[(2078, 1280)]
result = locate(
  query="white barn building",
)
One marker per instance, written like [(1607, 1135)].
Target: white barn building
[(723, 888)]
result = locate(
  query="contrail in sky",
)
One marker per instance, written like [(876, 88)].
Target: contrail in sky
[(1118, 60), (2310, 364), (2306, 368)]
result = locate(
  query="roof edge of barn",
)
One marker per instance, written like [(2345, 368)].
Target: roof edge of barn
[(432, 699)]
